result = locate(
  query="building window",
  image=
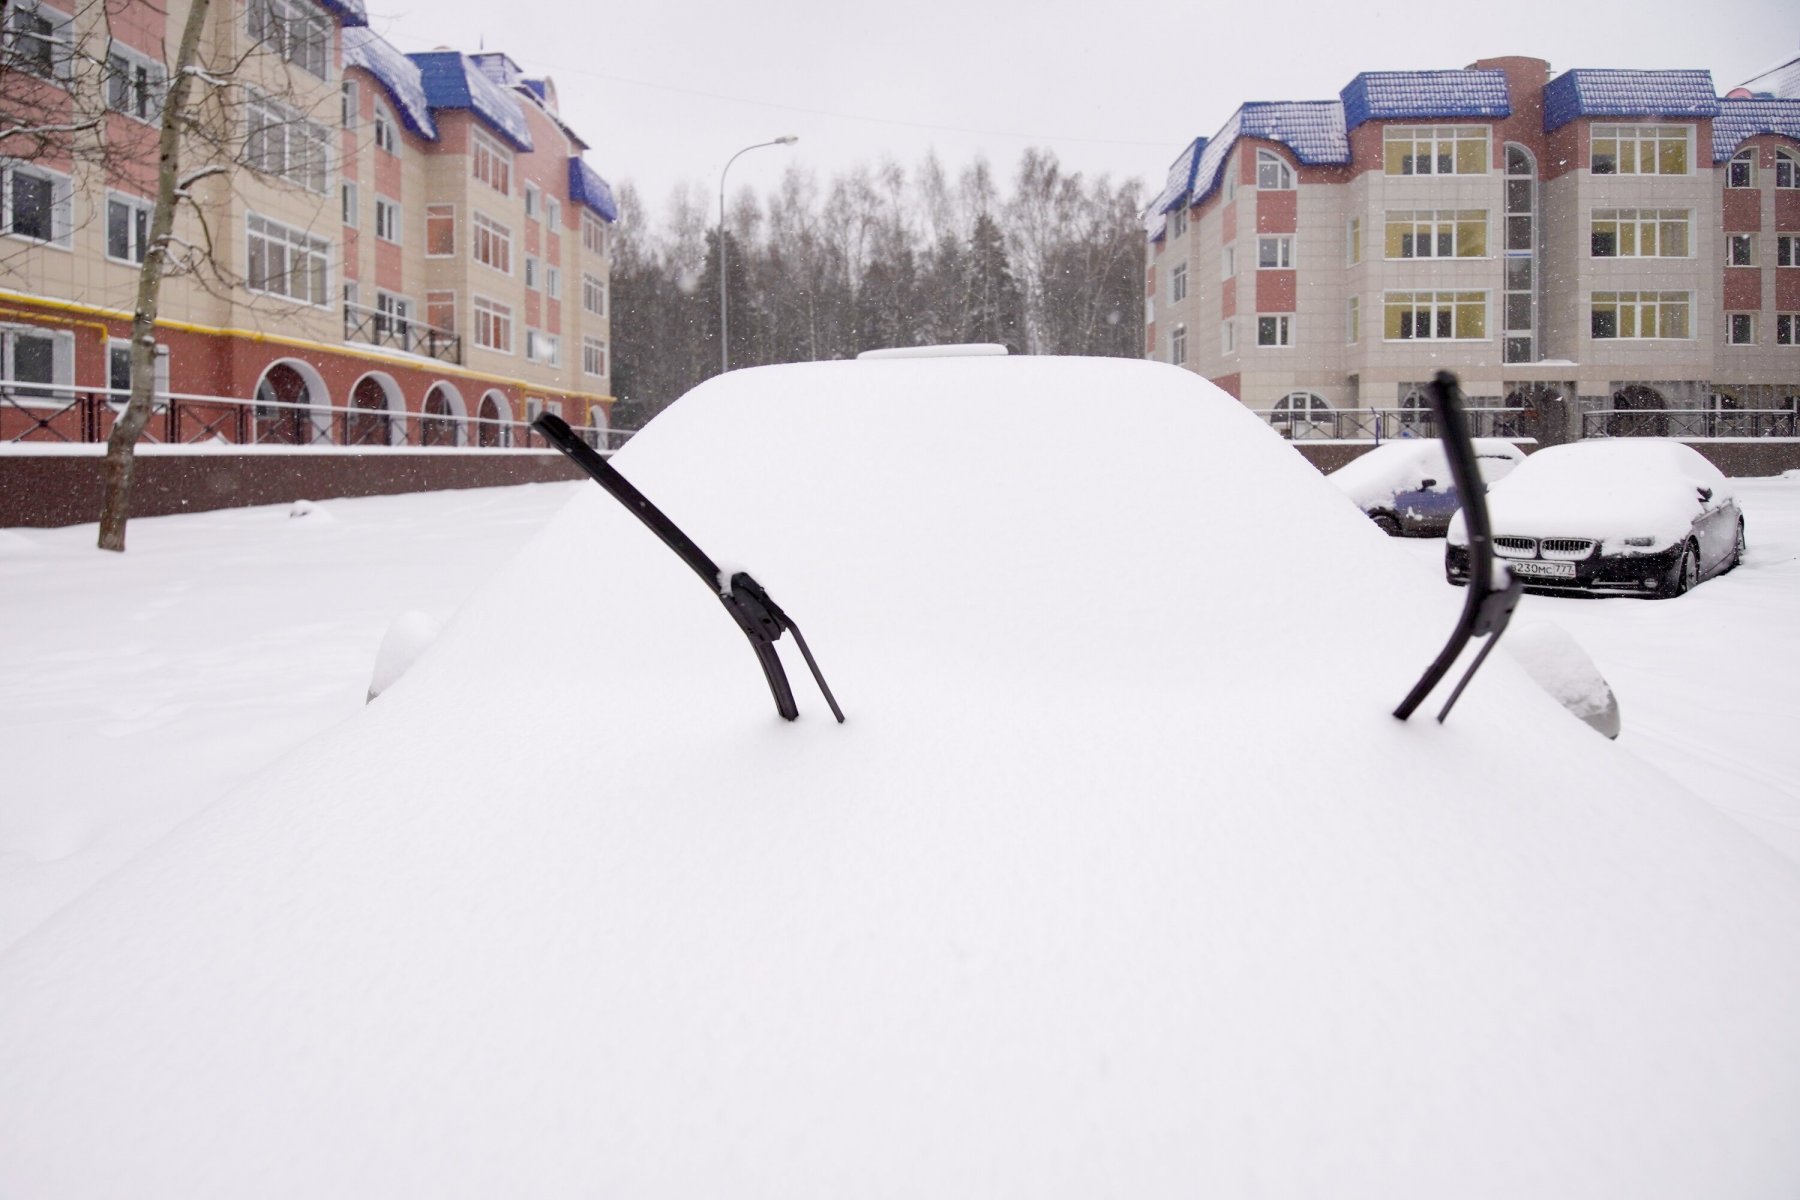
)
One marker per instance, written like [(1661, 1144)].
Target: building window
[(1353, 319), (1787, 250), (1274, 331), (1178, 222), (553, 213), (118, 371), (553, 282), (1228, 262), (1639, 150), (440, 310), (1227, 336), (385, 136), (1787, 169), (1740, 172), (1231, 179), (352, 107), (1178, 282), (593, 233), (1740, 250), (1639, 315), (352, 206), (531, 272), (1437, 316), (1435, 150), (1353, 242), (440, 230), (1274, 253), (1740, 329), (1437, 234), (285, 262), (593, 295), (387, 220), (279, 142), (1787, 329), (532, 199), (127, 228), (593, 356), (393, 316), (1272, 172), (295, 30), (493, 325), (135, 85), (493, 244), (1639, 233), (37, 41), (543, 347), (1178, 345), (490, 162), (35, 204)]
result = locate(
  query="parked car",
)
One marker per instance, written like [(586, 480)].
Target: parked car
[(1405, 485), (1616, 516)]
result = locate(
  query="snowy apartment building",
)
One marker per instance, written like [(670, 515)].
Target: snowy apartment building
[(412, 240), (1602, 240)]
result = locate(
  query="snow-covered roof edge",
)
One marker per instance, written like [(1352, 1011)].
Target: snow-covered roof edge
[(588, 189), (1607, 92), (1740, 119), (398, 75), (452, 81), (350, 13), (1425, 95)]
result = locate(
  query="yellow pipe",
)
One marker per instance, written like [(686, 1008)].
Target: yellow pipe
[(276, 339)]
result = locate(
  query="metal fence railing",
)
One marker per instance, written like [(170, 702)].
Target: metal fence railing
[(1387, 424), (1691, 423), (46, 413), (378, 328)]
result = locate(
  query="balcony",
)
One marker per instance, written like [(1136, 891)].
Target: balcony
[(374, 327)]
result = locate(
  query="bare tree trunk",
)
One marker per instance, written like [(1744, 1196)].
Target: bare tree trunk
[(121, 458)]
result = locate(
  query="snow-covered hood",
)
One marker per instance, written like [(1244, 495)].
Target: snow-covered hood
[(1119, 879)]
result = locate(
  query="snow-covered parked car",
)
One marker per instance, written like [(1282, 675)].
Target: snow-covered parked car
[(1119, 878), (1405, 486), (1619, 516)]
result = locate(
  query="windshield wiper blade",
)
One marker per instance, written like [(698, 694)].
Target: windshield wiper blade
[(1487, 608), (761, 619)]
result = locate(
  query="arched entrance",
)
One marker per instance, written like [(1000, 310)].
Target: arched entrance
[(599, 428), (1649, 421), (366, 422), (1543, 415), (492, 430), (442, 421), (284, 399)]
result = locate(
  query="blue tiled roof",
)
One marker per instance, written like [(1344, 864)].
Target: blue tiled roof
[(1740, 119), (1312, 129), (587, 188), (1781, 82), (452, 81), (348, 12), (1424, 95), (398, 74), (1180, 184), (1617, 93)]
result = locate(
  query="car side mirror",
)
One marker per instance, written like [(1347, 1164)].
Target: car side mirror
[(1705, 494), (1427, 483)]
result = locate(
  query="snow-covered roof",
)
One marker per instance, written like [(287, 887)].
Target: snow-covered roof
[(350, 13), (398, 75), (588, 189), (1312, 129), (1740, 119), (1180, 184), (1625, 93), (1781, 81), (1425, 95), (452, 80)]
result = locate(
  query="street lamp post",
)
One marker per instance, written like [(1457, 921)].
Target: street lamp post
[(724, 320)]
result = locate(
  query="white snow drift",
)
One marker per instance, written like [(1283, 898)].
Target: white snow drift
[(1119, 880)]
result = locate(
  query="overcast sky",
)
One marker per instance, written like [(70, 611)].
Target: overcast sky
[(665, 92)]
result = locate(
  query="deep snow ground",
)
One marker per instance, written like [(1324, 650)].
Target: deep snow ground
[(137, 689)]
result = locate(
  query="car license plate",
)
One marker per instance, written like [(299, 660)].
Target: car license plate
[(1548, 570)]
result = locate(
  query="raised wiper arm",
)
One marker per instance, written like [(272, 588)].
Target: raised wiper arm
[(1487, 608), (761, 619)]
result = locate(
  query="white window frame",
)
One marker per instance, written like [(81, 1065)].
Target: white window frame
[(1178, 283), (1740, 329), (491, 316), (533, 200), (490, 161), (62, 203), (1429, 227), (1740, 249), (541, 347), (1178, 345), (1437, 139), (1437, 302), (435, 300), (1640, 303), (1178, 222), (552, 213), (1638, 136), (593, 351), (283, 144), (1282, 245), (1740, 172), (1280, 327), (59, 50), (1227, 262), (1787, 168), (350, 114), (532, 271), (159, 381), (1787, 329), (440, 210), (553, 282), (1352, 320), (1352, 241), (593, 295), (1227, 336), (387, 132), (298, 30), (352, 204), (593, 233), (146, 83), (314, 251), (393, 314), (1640, 226), (486, 232), (1787, 249), (137, 231), (1273, 172), (389, 220)]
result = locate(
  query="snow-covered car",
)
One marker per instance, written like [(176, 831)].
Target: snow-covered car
[(1119, 878), (1618, 516), (1405, 486)]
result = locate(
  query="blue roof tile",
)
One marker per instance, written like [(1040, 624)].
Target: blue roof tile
[(588, 189), (452, 81), (1624, 93), (1740, 119), (398, 74), (1312, 129), (1180, 184), (1424, 95), (349, 13)]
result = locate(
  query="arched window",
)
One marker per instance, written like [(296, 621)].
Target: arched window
[(1741, 172), (1272, 172), (1300, 413), (283, 415), (493, 430), (1787, 169), (1416, 416), (366, 422), (438, 428)]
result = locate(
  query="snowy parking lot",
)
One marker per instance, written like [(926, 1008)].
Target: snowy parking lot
[(137, 690)]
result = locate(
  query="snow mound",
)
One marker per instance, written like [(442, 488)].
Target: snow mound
[(313, 513), (15, 543), (407, 637), (1562, 668), (1119, 879)]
